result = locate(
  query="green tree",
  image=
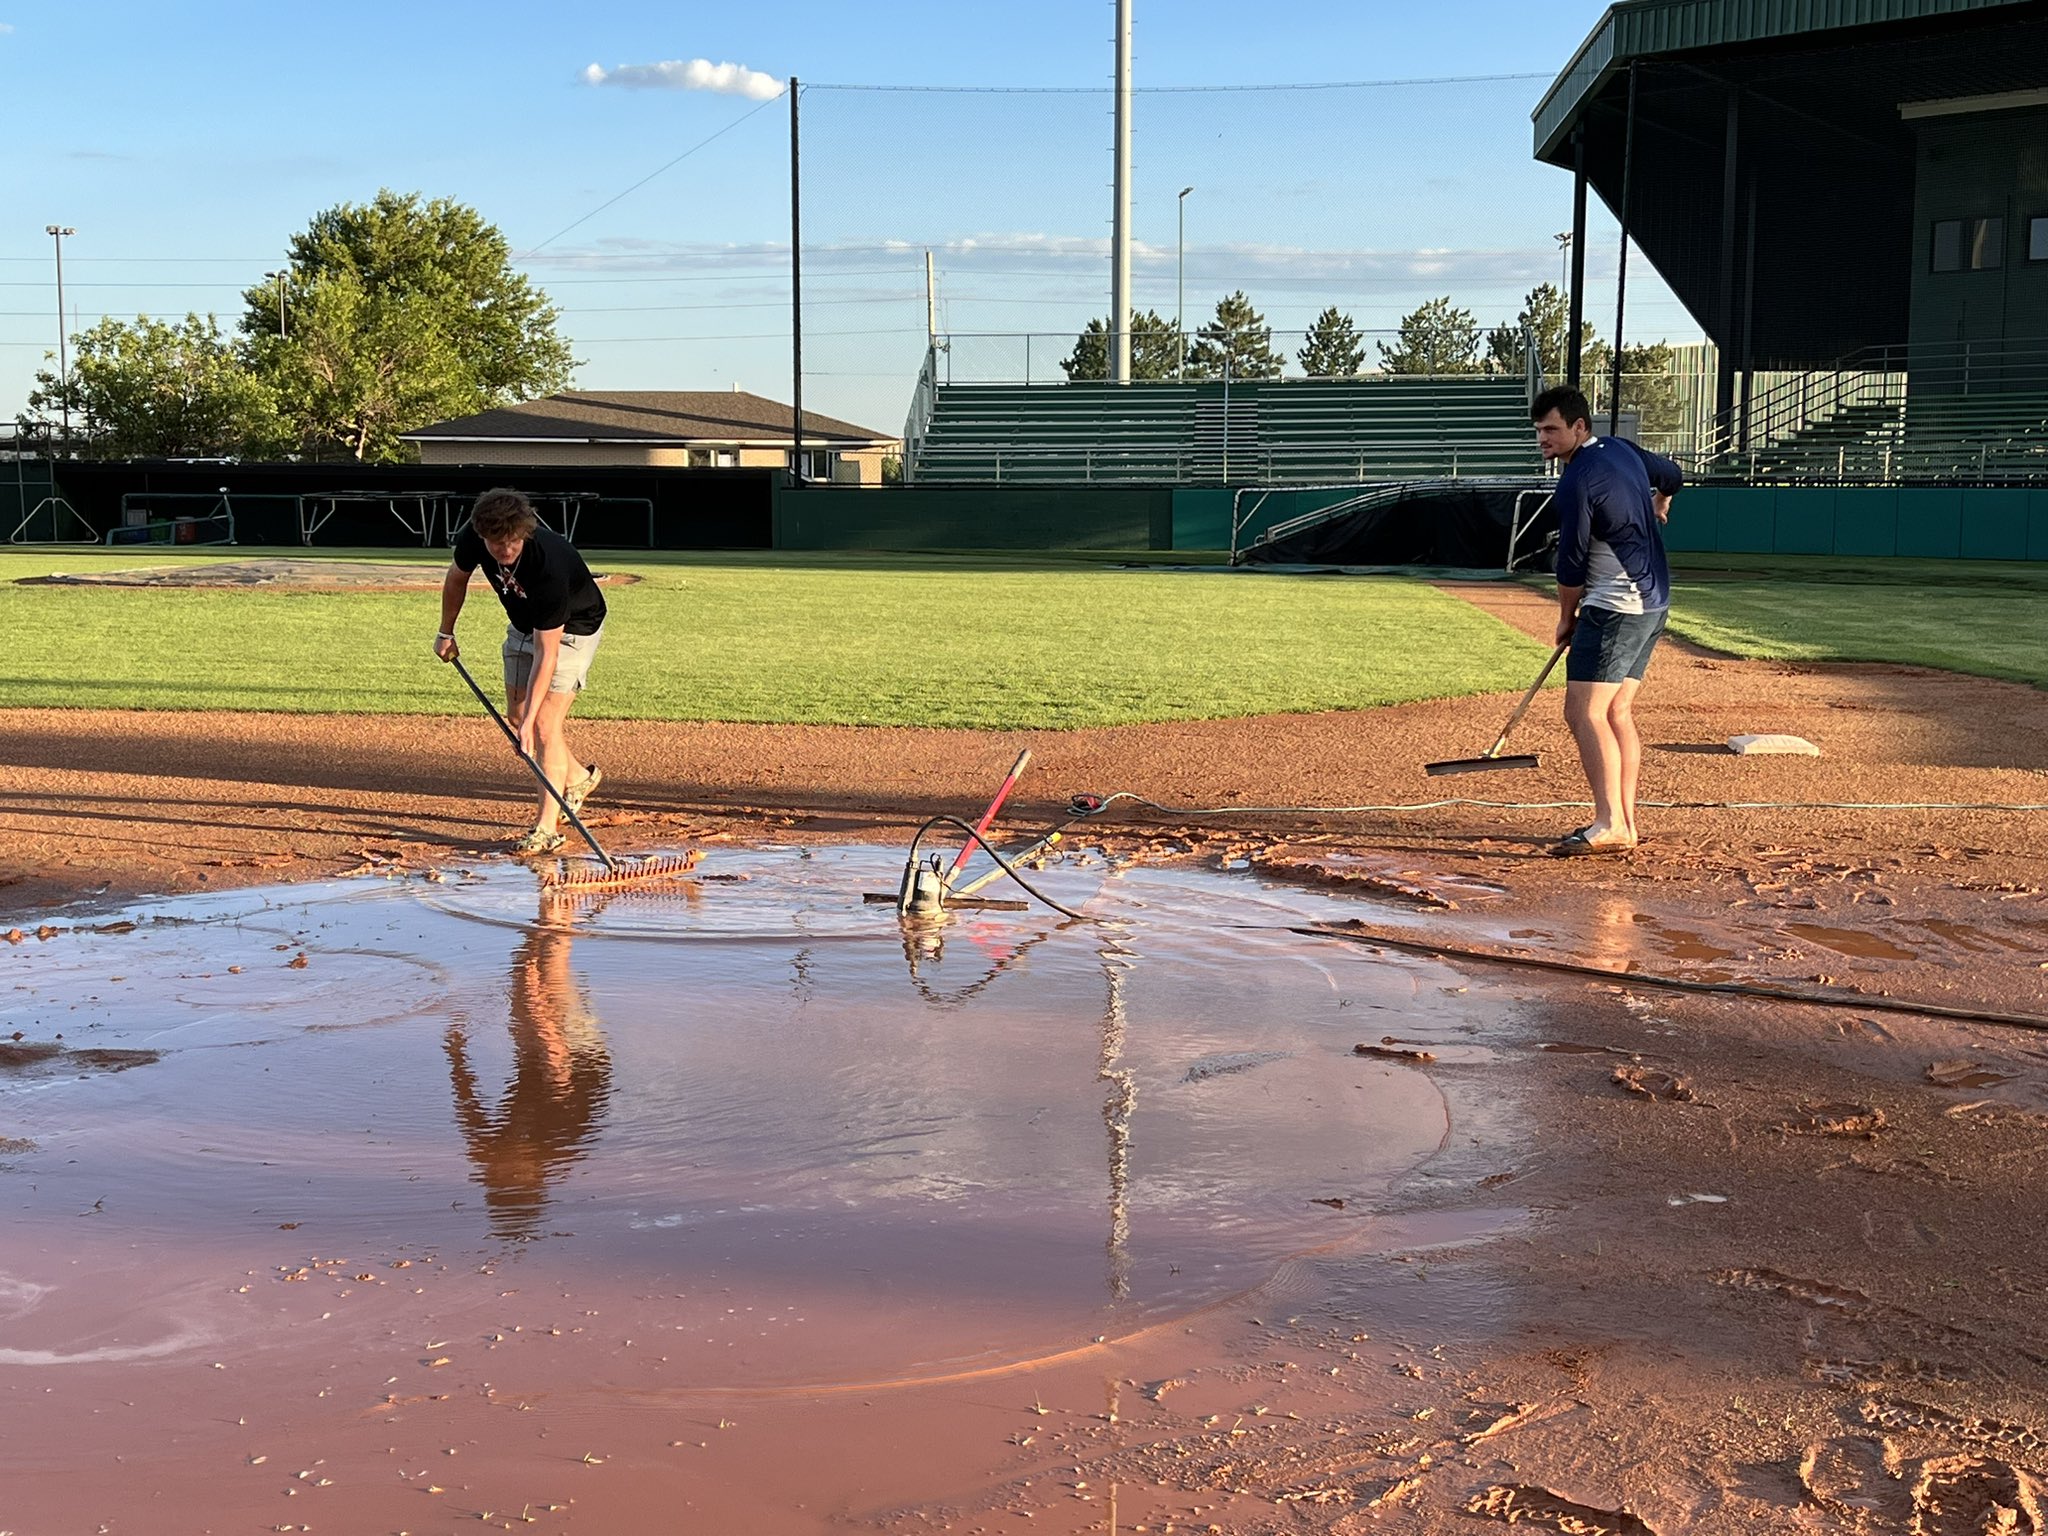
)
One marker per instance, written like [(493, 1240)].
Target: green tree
[(399, 312), (152, 389), (1332, 349), (1648, 385), (1436, 337), (1155, 349), (1546, 315), (1238, 337), (362, 366)]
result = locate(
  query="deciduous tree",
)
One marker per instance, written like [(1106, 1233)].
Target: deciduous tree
[(148, 388), (399, 312)]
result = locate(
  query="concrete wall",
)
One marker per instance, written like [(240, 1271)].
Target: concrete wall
[(1954, 523)]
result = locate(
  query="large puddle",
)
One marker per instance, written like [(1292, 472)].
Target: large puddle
[(742, 1133)]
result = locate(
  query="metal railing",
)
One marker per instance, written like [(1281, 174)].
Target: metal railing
[(1964, 411), (1040, 357), (1095, 464)]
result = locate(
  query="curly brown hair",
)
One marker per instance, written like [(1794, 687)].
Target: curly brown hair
[(503, 513)]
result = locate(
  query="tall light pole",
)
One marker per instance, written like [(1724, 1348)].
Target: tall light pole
[(1564, 256), (1180, 285), (280, 279), (1120, 226), (57, 232)]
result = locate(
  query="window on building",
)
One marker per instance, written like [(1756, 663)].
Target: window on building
[(1948, 245), (714, 458), (2037, 239), (818, 463), (1968, 245)]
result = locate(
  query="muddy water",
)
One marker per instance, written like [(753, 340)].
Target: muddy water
[(400, 1143)]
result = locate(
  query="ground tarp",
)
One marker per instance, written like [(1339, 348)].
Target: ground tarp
[(1441, 525)]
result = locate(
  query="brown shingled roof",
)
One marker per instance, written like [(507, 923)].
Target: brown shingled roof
[(646, 416)]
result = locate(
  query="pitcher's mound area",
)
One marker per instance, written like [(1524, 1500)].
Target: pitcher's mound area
[(302, 575)]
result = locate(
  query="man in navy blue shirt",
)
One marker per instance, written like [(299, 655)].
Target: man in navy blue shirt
[(1613, 592)]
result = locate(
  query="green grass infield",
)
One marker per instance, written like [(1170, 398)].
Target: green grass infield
[(1002, 643)]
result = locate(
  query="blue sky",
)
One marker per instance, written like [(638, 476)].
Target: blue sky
[(186, 142)]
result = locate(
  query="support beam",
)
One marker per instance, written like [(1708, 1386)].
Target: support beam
[(1628, 158), (1724, 328), (1575, 324)]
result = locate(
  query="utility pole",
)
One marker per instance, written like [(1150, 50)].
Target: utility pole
[(57, 232), (796, 291), (1180, 286), (931, 302), (1120, 231), (279, 279), (1564, 254)]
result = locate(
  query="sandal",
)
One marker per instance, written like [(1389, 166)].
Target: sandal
[(537, 843), (1576, 845), (580, 791)]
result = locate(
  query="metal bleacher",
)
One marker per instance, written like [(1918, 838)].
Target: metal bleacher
[(1373, 427), (1974, 414)]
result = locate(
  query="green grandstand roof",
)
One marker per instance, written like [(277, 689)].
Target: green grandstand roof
[(1638, 29)]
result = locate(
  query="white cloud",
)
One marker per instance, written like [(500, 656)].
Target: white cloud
[(688, 75), (6, 27)]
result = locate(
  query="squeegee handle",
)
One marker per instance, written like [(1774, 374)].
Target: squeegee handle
[(1016, 772), (1528, 698), (538, 772)]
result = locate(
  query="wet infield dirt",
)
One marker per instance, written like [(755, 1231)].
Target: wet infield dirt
[(1615, 1258)]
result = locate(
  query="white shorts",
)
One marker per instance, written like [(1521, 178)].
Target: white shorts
[(572, 660)]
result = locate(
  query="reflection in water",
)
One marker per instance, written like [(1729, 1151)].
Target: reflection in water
[(1117, 1110), (561, 1080), (924, 945)]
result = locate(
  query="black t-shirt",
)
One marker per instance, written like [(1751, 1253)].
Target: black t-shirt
[(547, 587)]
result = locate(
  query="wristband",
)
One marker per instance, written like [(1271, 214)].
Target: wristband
[(443, 635)]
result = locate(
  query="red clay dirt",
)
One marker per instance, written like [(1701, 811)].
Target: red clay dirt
[(1779, 1267)]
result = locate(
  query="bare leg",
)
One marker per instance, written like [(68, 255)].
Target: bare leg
[(553, 754), (1586, 707), (1622, 721)]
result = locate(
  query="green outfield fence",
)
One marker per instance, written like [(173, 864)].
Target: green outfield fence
[(1955, 522)]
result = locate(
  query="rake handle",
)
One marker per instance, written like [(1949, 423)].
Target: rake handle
[(1527, 699), (538, 772), (988, 816)]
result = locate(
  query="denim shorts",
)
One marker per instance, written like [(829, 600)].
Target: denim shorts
[(572, 660), (1610, 647)]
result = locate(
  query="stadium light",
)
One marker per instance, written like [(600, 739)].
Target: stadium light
[(1180, 285), (57, 232), (1564, 255)]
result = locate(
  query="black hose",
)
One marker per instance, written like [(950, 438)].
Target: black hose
[(1004, 864), (1363, 935)]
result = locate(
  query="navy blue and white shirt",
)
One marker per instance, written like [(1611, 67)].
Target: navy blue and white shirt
[(1608, 540)]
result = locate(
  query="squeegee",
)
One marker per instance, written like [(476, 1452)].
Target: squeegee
[(1491, 757)]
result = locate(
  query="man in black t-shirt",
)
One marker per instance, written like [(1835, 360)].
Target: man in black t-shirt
[(556, 618)]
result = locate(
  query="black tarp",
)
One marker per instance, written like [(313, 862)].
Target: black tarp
[(1454, 526)]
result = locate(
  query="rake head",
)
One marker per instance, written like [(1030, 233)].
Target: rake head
[(624, 874)]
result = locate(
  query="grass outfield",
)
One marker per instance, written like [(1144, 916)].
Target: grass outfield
[(1984, 617), (842, 640)]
